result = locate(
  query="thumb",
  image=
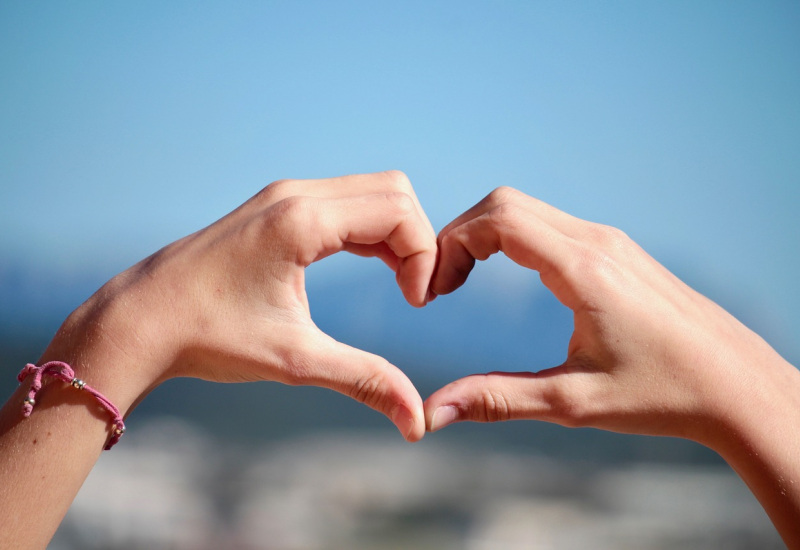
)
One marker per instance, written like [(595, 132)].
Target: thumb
[(500, 396), (369, 379)]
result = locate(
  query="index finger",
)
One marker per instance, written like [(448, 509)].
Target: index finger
[(560, 220), (517, 229), (326, 226), (347, 186)]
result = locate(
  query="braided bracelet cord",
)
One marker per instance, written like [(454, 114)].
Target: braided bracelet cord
[(64, 372)]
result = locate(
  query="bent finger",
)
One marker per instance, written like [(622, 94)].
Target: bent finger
[(521, 235), (390, 218), (558, 219), (390, 181), (380, 250)]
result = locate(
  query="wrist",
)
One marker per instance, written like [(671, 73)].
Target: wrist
[(764, 412), (759, 441), (754, 393), (112, 343)]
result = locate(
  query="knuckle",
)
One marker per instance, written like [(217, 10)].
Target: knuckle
[(448, 238), (566, 408), (294, 225), (402, 202), (298, 367), (594, 261), (294, 213), (503, 194), (275, 190), (367, 389), (597, 267), (455, 244), (397, 179), (605, 257), (608, 237), (279, 184), (505, 215), (494, 406)]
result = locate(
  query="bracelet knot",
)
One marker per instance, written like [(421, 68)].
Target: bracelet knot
[(64, 372)]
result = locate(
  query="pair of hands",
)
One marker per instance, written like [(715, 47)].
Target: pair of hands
[(228, 304), (648, 354)]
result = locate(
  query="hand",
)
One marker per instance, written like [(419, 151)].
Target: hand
[(648, 355), (228, 303)]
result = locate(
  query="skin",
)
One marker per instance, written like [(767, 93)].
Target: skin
[(226, 304), (648, 355)]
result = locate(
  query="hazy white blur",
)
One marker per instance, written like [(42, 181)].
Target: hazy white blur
[(170, 486)]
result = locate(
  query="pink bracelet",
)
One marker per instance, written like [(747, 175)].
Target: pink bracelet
[(64, 372)]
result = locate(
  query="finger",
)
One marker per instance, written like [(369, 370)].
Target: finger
[(365, 377), (529, 231), (325, 226), (413, 274), (347, 186), (551, 395), (521, 235), (560, 220), (380, 250)]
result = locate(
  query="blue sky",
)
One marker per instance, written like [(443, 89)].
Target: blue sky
[(128, 125)]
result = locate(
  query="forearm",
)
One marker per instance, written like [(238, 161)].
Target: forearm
[(764, 449), (45, 457)]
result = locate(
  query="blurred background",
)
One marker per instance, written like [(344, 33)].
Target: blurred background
[(124, 126)]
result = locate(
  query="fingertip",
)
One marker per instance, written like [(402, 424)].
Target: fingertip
[(443, 416), (372, 380), (431, 296), (416, 299), (411, 428), (449, 278), (414, 277)]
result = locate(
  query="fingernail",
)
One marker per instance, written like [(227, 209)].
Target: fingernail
[(430, 297), (443, 416), (403, 419)]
